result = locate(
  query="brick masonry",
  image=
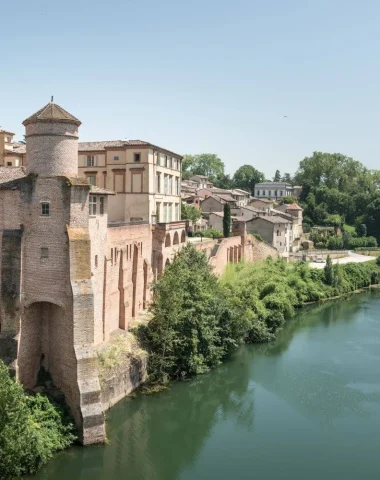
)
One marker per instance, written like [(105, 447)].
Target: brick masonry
[(69, 281)]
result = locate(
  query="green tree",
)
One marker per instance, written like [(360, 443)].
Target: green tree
[(224, 181), (185, 335), (226, 220), (361, 229), (189, 212), (329, 271), (31, 429), (287, 178), (207, 164), (289, 200), (277, 176), (246, 177)]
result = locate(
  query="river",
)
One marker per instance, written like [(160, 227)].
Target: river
[(305, 407)]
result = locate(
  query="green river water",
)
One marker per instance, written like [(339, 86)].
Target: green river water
[(306, 407)]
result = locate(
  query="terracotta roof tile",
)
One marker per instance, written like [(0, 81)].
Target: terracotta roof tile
[(100, 146)]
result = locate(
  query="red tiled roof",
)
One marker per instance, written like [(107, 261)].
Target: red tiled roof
[(293, 206), (52, 113)]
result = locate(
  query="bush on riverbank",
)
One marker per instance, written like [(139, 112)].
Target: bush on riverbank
[(31, 429), (198, 319)]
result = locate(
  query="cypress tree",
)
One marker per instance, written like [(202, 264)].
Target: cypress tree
[(227, 220), (329, 271)]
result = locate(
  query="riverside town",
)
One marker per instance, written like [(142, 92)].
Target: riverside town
[(168, 314)]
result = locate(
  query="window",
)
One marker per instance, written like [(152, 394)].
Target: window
[(91, 160), (44, 252), (158, 212), (158, 182), (175, 164), (166, 183), (9, 164), (91, 179), (263, 193), (170, 163), (96, 261), (116, 157), (278, 233), (137, 157), (101, 205), (92, 205), (166, 160), (176, 217), (45, 209), (170, 185), (281, 193), (270, 193)]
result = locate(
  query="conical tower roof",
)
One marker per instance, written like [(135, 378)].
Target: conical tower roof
[(52, 113)]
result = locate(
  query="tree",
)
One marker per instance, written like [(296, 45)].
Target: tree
[(226, 220), (185, 334), (289, 200), (277, 176), (224, 181), (31, 429), (246, 177), (287, 178), (361, 229), (189, 212), (207, 164), (329, 271)]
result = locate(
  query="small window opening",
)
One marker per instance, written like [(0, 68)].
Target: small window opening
[(44, 252), (96, 261), (101, 205), (137, 157), (45, 209)]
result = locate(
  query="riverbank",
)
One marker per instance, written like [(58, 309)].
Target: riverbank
[(197, 319)]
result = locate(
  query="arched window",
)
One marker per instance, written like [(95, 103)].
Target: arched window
[(167, 240), (176, 239), (183, 236), (167, 262)]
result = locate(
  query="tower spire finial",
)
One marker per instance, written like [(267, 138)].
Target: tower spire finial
[(52, 99)]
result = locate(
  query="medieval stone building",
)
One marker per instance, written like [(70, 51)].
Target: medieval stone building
[(68, 280)]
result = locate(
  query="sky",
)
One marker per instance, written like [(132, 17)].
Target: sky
[(202, 76)]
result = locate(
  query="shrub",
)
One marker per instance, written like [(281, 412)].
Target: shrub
[(258, 237), (31, 429), (378, 261), (209, 233)]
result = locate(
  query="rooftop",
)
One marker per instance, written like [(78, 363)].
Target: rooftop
[(52, 113), (10, 177), (271, 219), (104, 145), (293, 206), (6, 131), (273, 183)]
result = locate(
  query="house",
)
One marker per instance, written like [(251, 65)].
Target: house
[(247, 212), (145, 177), (273, 229), (242, 196), (295, 211), (215, 203), (12, 153), (261, 203), (201, 181), (215, 221), (274, 190), (194, 200)]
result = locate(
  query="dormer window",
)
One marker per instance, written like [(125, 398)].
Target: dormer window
[(137, 157), (45, 209)]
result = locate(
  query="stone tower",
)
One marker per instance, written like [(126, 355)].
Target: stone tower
[(47, 301), (52, 142)]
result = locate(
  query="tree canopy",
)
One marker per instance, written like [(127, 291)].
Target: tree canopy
[(246, 177), (207, 164)]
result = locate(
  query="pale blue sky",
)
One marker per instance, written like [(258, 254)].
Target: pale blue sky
[(202, 76)]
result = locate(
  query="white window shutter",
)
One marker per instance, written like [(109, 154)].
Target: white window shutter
[(95, 161)]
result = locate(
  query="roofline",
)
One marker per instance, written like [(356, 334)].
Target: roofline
[(6, 131), (130, 147)]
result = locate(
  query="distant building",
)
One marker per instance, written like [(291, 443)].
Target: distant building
[(261, 203), (11, 153), (273, 229), (215, 203), (274, 190), (201, 181)]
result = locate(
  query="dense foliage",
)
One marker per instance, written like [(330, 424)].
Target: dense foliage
[(209, 233), (31, 429), (189, 212), (226, 220), (327, 238), (333, 184), (198, 319)]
